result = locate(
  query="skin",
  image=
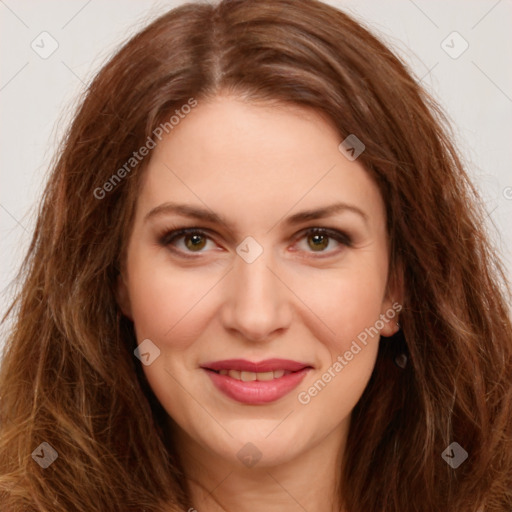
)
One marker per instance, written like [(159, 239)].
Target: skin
[(255, 165)]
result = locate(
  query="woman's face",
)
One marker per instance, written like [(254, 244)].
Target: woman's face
[(257, 283)]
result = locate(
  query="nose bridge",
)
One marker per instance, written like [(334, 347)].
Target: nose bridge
[(256, 282), (257, 303)]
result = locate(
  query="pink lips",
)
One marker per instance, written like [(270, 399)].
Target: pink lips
[(257, 392)]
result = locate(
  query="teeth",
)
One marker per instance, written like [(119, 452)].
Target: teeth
[(252, 376), (265, 376)]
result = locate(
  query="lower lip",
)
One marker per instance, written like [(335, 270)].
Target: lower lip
[(257, 392)]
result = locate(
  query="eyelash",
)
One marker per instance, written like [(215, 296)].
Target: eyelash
[(170, 236)]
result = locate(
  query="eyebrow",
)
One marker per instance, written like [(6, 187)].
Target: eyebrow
[(206, 215)]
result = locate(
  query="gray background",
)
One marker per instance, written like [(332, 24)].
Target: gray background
[(37, 94)]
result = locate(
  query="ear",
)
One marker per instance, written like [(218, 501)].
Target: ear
[(123, 296), (393, 302)]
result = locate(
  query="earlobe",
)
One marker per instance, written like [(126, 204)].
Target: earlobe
[(393, 304), (123, 296), (391, 321)]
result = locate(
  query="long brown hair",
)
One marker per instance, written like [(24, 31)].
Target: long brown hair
[(69, 377)]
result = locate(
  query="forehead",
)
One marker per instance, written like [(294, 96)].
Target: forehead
[(239, 157)]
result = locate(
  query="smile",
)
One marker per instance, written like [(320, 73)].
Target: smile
[(256, 383)]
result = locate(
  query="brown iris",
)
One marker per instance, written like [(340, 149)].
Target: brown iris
[(195, 241), (319, 241)]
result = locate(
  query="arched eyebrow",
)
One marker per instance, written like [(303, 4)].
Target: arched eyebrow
[(206, 215), (325, 211)]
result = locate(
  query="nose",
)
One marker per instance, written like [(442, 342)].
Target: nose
[(257, 305)]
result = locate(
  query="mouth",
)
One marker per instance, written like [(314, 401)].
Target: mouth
[(256, 383)]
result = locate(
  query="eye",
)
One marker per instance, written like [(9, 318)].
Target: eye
[(194, 240), (320, 239)]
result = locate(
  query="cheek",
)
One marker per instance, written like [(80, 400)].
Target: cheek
[(348, 353), (168, 303), (344, 303)]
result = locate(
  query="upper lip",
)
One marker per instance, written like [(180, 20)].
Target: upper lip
[(268, 365)]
